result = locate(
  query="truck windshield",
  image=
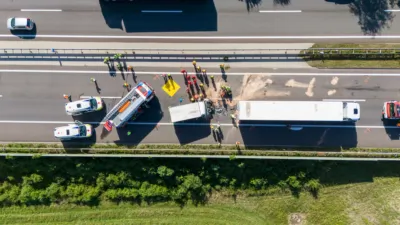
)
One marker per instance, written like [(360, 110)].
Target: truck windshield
[(93, 103), (82, 131)]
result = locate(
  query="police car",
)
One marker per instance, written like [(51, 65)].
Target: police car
[(73, 131), (83, 106)]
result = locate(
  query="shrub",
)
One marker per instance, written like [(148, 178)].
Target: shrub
[(81, 194), (124, 194), (164, 171), (293, 182), (258, 183), (153, 192)]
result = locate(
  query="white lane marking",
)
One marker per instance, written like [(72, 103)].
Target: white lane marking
[(201, 37), (392, 10), (41, 10), (280, 11), (344, 100), (208, 73), (106, 97), (162, 11), (202, 124)]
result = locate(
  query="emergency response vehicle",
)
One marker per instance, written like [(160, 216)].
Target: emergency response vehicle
[(130, 107), (84, 106), (73, 131), (391, 110), (321, 111)]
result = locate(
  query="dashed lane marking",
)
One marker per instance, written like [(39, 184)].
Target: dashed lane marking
[(344, 100), (280, 11), (41, 10), (106, 97), (162, 11)]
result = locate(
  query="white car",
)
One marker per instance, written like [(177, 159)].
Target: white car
[(18, 23), (84, 106), (73, 131)]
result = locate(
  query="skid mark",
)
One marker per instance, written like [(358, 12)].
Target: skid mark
[(275, 93), (293, 83), (331, 92), (334, 80), (310, 88)]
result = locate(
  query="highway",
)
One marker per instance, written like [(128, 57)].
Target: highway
[(32, 105), (204, 19)]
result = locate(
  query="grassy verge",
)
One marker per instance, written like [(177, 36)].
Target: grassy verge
[(360, 203), (43, 148), (373, 61)]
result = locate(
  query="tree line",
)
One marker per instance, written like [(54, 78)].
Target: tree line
[(89, 181)]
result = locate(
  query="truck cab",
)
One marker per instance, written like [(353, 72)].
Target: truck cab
[(351, 111), (391, 110)]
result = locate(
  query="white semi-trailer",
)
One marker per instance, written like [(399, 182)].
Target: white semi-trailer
[(328, 111)]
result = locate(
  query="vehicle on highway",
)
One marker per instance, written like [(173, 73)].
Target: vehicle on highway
[(80, 107), (391, 110), (320, 111), (73, 131), (196, 110), (131, 106), (19, 23)]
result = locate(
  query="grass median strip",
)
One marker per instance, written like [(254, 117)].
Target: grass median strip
[(171, 149), (374, 58)]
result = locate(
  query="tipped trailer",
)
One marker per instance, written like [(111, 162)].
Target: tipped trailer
[(196, 110), (323, 111)]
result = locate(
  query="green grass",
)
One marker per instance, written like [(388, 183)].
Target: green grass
[(357, 63), (373, 202)]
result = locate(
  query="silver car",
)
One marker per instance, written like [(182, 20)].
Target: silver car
[(18, 23)]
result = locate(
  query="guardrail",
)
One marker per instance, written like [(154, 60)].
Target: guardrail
[(198, 54), (202, 51)]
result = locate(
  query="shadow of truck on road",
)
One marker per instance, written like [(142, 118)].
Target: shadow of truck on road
[(145, 15), (133, 134), (391, 129), (187, 133), (335, 136)]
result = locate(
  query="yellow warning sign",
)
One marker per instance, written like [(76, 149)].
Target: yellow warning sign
[(171, 87)]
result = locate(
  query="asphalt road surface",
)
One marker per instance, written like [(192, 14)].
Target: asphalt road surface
[(32, 105), (206, 17)]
